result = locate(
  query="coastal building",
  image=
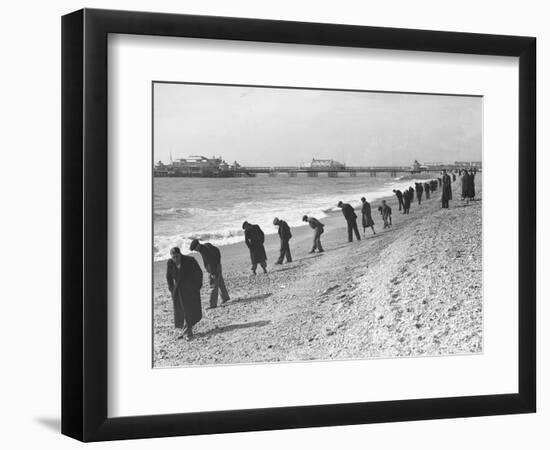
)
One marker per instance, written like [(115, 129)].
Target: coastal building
[(323, 164), (416, 167), (196, 166)]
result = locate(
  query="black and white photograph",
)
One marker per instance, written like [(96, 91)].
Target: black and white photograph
[(300, 224)]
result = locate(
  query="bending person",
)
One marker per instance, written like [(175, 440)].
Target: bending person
[(318, 229), (212, 260), (184, 278)]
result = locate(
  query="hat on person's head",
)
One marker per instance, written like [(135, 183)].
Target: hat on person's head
[(194, 244), (175, 251), (363, 199), (340, 203), (245, 223), (276, 221), (304, 219)]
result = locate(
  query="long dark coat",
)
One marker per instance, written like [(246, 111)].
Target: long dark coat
[(471, 185), (465, 181), (447, 193), (254, 239), (185, 286), (367, 217), (407, 197)]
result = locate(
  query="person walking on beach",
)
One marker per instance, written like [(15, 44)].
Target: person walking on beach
[(318, 229), (464, 183), (284, 236), (406, 201), (399, 196), (439, 179), (419, 191), (385, 210), (351, 219), (427, 190), (211, 257), (411, 193), (184, 278), (254, 239), (471, 185), (366, 216), (447, 193)]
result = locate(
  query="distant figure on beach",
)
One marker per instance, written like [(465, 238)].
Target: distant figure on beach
[(427, 190), (447, 193), (366, 216), (439, 179), (419, 191), (471, 185), (433, 185), (184, 278), (385, 210), (254, 238), (284, 236), (399, 196), (464, 183), (411, 193), (211, 257), (351, 219), (318, 229), (406, 201)]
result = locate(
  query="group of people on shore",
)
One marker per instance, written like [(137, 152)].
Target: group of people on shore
[(468, 185), (185, 277)]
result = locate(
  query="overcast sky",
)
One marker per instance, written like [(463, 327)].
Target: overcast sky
[(270, 126)]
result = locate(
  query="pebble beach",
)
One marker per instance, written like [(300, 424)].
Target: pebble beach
[(412, 290)]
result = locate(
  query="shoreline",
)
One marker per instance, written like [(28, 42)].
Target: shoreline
[(326, 211), (289, 313)]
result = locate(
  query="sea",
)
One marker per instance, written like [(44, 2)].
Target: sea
[(213, 209)]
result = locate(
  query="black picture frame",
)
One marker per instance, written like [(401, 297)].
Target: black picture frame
[(84, 224)]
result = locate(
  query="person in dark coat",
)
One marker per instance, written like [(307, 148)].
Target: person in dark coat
[(366, 216), (464, 183), (399, 196), (447, 193), (284, 236), (385, 211), (471, 185), (351, 219), (411, 193), (406, 201), (419, 191), (211, 257), (184, 278), (440, 181), (254, 239), (318, 229), (427, 190)]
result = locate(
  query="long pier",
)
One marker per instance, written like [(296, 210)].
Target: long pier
[(335, 171), (293, 171)]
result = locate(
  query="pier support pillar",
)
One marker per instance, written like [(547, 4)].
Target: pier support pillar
[(353, 173), (313, 174), (293, 174), (332, 174), (272, 174), (373, 174)]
